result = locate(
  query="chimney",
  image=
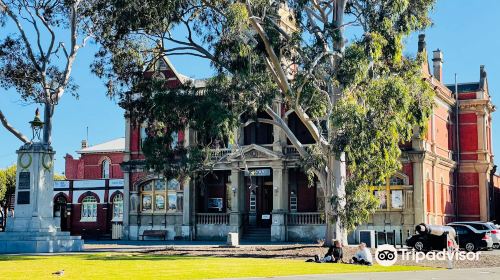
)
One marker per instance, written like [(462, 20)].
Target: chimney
[(482, 77), (438, 64), (84, 144), (421, 43)]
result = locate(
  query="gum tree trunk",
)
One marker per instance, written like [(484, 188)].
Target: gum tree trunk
[(47, 127)]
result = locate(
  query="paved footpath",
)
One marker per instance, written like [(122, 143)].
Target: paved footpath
[(453, 274)]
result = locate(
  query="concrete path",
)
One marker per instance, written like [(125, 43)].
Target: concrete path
[(139, 246), (453, 274)]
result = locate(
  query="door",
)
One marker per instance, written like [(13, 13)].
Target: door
[(265, 206), (463, 235), (260, 200), (60, 210)]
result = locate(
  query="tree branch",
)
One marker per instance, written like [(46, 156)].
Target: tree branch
[(12, 130), (73, 51), (14, 18)]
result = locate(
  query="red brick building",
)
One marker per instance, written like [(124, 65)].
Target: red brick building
[(100, 161), (447, 175), (90, 201)]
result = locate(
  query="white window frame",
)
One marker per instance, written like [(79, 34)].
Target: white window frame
[(89, 209), (117, 207), (106, 169)]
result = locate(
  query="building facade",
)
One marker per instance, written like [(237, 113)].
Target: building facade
[(260, 192), (90, 201)]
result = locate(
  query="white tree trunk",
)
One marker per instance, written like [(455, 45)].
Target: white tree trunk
[(335, 187), (47, 127)]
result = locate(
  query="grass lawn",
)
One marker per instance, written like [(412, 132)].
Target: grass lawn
[(144, 266)]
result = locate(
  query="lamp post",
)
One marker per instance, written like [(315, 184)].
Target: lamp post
[(36, 126)]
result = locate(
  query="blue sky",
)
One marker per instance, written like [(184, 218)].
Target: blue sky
[(466, 31)]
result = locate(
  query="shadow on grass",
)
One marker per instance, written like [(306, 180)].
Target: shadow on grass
[(259, 254), (21, 258), (135, 257)]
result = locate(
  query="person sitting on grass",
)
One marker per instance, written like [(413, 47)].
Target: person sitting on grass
[(334, 254), (363, 256)]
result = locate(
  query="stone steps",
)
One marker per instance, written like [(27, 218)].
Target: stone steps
[(37, 236), (253, 233)]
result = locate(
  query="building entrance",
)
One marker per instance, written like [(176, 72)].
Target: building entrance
[(260, 200)]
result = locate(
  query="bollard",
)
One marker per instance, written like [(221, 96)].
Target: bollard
[(449, 250), (401, 237)]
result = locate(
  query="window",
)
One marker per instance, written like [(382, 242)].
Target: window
[(396, 181), (89, 209), (118, 207), (105, 165), (461, 230), (161, 196), (392, 196), (382, 197), (175, 140), (293, 202), (142, 135), (397, 199)]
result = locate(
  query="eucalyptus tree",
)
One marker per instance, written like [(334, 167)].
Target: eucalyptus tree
[(38, 47), (358, 98)]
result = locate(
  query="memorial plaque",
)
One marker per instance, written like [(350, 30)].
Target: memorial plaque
[(23, 197), (24, 181)]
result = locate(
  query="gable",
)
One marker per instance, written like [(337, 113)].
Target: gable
[(255, 152)]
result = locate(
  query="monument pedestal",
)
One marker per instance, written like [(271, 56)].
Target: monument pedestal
[(33, 228)]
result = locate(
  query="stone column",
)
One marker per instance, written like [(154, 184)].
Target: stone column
[(483, 196), (418, 187), (187, 221), (126, 205), (134, 203), (280, 192), (236, 190), (126, 183)]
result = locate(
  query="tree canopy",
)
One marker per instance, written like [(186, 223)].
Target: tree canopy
[(7, 189), (357, 95), (37, 57)]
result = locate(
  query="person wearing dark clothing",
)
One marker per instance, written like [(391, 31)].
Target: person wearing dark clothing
[(334, 254)]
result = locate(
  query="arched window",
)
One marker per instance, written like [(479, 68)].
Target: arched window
[(118, 207), (89, 209), (105, 166)]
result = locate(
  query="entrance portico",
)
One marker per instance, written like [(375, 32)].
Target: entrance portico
[(258, 198)]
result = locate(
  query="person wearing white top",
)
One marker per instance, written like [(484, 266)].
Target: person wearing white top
[(363, 255)]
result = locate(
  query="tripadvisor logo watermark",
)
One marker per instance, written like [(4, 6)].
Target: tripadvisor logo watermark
[(387, 255)]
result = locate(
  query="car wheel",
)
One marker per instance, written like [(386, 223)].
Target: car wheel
[(469, 247), (496, 246), (419, 246)]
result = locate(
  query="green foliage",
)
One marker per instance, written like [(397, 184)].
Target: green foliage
[(7, 186), (58, 176), (360, 204)]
